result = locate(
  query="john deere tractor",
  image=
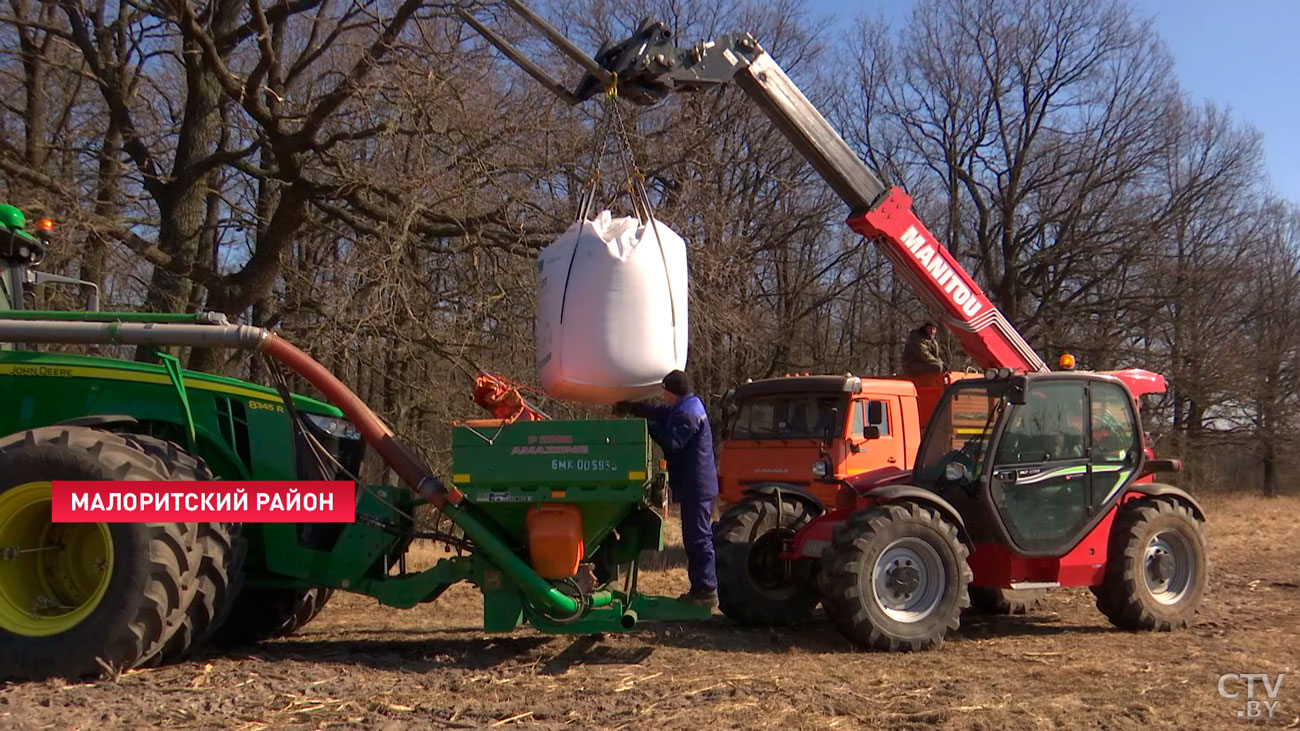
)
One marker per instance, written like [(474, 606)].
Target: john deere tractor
[(552, 542), (74, 596)]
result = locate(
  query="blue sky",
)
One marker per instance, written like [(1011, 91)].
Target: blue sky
[(1244, 54)]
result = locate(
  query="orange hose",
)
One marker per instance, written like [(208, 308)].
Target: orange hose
[(410, 468)]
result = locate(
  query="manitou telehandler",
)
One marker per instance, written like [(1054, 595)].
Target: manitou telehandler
[(1025, 479)]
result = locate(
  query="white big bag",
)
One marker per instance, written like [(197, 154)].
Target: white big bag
[(611, 311)]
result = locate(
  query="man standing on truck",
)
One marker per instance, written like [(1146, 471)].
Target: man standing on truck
[(681, 428), (921, 353)]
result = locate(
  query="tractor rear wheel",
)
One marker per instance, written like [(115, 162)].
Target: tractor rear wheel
[(78, 599), (222, 549), (755, 585), (264, 614), (897, 579), (995, 600), (1157, 567)]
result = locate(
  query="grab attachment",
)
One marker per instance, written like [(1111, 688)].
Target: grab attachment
[(645, 67)]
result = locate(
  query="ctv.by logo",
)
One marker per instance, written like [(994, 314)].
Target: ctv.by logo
[(1230, 685)]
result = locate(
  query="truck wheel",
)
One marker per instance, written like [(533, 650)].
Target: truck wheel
[(264, 614), (1156, 567), (898, 578), (755, 586), (77, 599), (222, 549), (996, 600)]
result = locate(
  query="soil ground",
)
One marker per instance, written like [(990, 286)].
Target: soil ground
[(364, 666)]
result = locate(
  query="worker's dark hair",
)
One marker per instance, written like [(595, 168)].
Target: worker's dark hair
[(677, 383), (927, 325)]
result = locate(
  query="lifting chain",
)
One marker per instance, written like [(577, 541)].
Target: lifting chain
[(611, 127)]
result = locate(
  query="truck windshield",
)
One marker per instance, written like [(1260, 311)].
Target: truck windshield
[(789, 416), (959, 432)]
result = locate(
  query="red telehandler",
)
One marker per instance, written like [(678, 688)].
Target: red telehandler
[(1025, 479)]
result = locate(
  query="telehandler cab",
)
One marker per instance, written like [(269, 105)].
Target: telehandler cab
[(1022, 482)]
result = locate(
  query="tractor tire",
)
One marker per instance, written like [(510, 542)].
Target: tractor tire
[(264, 614), (755, 587), (1157, 567), (830, 607), (897, 579), (125, 586), (222, 549), (993, 600)]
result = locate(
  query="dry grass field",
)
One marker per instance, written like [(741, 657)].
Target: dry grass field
[(361, 665)]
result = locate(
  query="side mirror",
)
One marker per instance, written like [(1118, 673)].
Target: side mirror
[(871, 432), (956, 472), (833, 427), (1153, 466)]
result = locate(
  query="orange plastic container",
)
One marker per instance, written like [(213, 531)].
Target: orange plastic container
[(555, 539)]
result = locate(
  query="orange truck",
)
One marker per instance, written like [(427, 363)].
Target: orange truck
[(804, 434)]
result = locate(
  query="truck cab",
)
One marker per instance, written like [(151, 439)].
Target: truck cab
[(804, 433)]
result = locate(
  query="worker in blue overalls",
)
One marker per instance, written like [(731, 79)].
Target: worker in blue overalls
[(681, 428)]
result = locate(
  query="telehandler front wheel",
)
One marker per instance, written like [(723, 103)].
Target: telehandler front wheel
[(1157, 567), (79, 599), (898, 578)]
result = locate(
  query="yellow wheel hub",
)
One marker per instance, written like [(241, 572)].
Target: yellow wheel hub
[(52, 575)]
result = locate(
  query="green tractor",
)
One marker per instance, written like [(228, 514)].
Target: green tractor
[(78, 599)]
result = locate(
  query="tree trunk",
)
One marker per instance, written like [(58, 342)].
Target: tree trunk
[(183, 206)]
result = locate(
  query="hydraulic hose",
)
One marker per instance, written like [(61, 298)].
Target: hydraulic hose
[(417, 475), (411, 469)]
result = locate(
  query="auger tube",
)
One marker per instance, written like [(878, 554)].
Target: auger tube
[(201, 318), (82, 332)]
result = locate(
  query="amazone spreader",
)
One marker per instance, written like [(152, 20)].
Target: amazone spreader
[(552, 517)]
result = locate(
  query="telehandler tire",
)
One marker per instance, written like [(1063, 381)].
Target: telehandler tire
[(1157, 566), (81, 599), (756, 587), (222, 550), (992, 600), (897, 579)]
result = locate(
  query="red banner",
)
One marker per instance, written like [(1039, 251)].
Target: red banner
[(138, 501)]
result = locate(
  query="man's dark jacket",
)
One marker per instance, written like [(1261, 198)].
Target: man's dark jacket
[(683, 432), (921, 353)]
